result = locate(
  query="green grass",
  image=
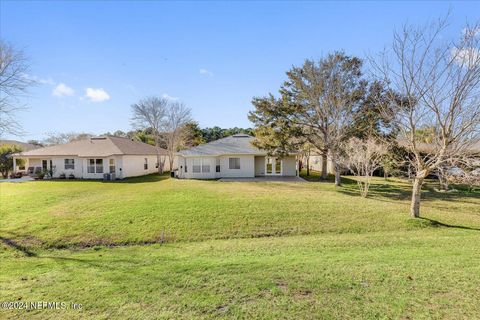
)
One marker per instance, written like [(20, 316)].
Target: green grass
[(238, 250)]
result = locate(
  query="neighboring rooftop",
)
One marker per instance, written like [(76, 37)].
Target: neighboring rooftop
[(236, 144), (23, 145), (96, 147)]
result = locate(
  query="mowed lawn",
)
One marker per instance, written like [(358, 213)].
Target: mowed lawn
[(238, 250)]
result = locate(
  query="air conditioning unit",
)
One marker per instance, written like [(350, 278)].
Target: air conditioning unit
[(112, 177)]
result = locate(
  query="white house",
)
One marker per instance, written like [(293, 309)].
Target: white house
[(92, 157), (232, 157)]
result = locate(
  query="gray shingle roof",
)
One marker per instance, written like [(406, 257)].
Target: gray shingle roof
[(236, 144), (96, 147)]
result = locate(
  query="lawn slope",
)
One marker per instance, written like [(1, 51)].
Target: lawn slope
[(85, 213)]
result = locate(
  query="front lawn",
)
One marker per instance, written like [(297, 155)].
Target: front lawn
[(238, 250)]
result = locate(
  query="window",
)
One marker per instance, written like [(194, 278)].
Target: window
[(205, 165), (217, 165), (111, 165), (99, 165), (145, 165), (95, 166), (278, 166), (269, 166), (186, 166), (69, 164), (197, 164), (91, 166), (234, 163)]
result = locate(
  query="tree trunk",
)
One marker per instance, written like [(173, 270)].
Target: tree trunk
[(170, 161), (160, 167), (308, 165), (416, 194), (324, 165), (338, 182)]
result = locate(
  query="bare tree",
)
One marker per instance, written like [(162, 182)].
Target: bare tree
[(13, 84), (62, 138), (151, 113), (363, 158), (177, 116), (438, 86)]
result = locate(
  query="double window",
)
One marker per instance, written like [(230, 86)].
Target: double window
[(234, 163), (200, 165), (197, 165), (95, 166), (69, 164)]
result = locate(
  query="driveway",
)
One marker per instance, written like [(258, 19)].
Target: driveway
[(263, 179)]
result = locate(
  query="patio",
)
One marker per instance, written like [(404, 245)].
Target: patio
[(264, 179)]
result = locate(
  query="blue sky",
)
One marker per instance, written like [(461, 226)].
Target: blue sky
[(94, 59)]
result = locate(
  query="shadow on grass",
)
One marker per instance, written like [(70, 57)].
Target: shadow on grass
[(436, 223), (402, 191)]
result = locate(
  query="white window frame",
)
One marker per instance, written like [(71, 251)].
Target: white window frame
[(95, 166), (111, 165), (71, 166), (196, 167), (234, 167), (200, 165)]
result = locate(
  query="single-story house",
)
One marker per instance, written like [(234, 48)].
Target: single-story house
[(92, 157), (233, 157)]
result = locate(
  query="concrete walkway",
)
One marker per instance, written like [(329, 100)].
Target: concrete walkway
[(22, 179), (264, 179)]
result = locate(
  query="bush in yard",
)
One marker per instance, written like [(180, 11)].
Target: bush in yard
[(362, 158), (6, 160)]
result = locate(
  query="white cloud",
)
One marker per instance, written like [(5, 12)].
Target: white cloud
[(97, 95), (39, 79), (166, 96), (62, 90), (206, 72), (468, 57)]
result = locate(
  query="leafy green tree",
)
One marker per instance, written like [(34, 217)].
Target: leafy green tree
[(192, 135), (317, 105), (6, 159)]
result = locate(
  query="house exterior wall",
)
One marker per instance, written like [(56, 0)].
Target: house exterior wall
[(125, 165), (289, 166), (259, 166), (59, 165), (247, 167), (250, 166), (133, 166)]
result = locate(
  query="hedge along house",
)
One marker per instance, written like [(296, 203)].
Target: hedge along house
[(233, 157), (91, 158)]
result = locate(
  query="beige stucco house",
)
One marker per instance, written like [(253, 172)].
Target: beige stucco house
[(232, 157), (92, 157)]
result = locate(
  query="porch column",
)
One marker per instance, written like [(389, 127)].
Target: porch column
[(14, 165)]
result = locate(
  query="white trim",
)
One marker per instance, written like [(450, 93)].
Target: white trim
[(274, 163)]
